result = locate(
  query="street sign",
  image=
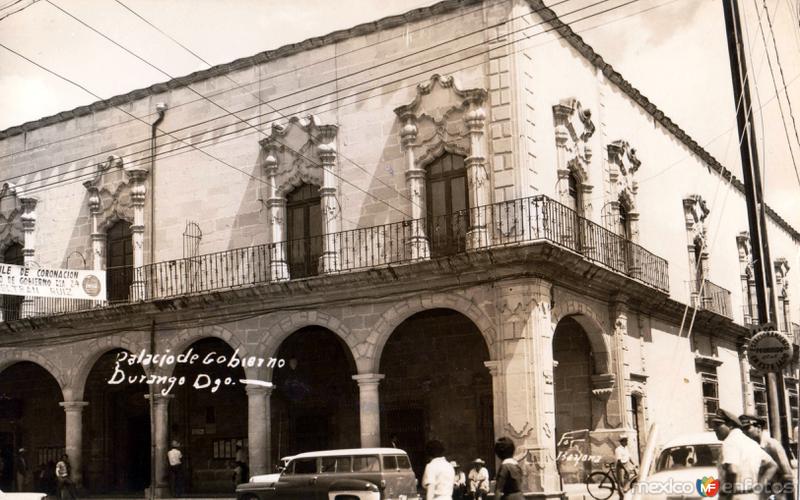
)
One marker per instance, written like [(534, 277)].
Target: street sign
[(769, 351), (49, 282)]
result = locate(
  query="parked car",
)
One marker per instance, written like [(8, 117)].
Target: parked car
[(681, 465), (22, 496), (271, 478), (359, 473)]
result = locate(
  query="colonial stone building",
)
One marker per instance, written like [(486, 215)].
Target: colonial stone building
[(457, 223)]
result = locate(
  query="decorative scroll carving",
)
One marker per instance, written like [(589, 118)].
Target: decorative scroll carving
[(623, 164), (573, 129)]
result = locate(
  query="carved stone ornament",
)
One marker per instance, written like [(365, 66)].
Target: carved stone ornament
[(10, 217), (522, 433), (114, 190), (300, 150), (696, 209), (603, 385), (621, 154), (574, 128), (440, 118)]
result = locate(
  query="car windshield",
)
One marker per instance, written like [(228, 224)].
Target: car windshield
[(690, 455)]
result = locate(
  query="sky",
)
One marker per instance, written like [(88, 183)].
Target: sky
[(674, 51)]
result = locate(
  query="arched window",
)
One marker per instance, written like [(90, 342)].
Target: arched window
[(119, 261), (623, 221), (11, 305), (303, 231), (448, 204), (573, 200)]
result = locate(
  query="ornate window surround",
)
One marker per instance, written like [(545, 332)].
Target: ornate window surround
[(696, 212), (444, 118), (17, 221), (117, 194), (573, 129), (302, 151), (623, 164)]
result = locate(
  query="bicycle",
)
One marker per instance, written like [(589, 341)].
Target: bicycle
[(602, 484)]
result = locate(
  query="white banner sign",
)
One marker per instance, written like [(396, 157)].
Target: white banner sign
[(44, 282)]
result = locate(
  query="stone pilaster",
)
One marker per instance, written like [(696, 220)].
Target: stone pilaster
[(28, 219), (369, 408), (138, 196), (73, 445), (525, 404), (98, 237), (258, 428), (279, 270), (415, 181), (160, 430), (477, 179), (326, 149), (747, 385)]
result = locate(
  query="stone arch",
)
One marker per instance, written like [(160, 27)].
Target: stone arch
[(94, 350), (283, 327), (185, 338), (111, 218), (436, 149), (594, 327), (11, 238), (9, 358), (397, 314)]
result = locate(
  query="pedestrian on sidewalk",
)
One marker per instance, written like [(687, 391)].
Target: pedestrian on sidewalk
[(66, 488), (478, 480), (439, 475), (175, 459), (22, 470), (509, 477)]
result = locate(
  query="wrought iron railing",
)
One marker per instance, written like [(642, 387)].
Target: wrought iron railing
[(501, 224), (711, 297)]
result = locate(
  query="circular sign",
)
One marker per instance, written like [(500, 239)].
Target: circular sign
[(769, 351), (91, 285)]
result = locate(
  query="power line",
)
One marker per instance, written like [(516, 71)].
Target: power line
[(18, 10), (383, 84), (775, 85), (295, 69)]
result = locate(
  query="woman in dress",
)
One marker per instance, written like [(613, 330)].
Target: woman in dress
[(509, 477)]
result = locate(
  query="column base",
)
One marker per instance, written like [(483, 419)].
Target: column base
[(477, 237), (329, 262), (419, 248), (160, 492)]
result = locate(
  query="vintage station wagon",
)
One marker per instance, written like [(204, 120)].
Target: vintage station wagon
[(351, 474)]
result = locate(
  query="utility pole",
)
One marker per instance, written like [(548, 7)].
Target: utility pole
[(756, 211)]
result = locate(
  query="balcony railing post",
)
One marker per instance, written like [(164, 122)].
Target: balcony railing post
[(278, 268)]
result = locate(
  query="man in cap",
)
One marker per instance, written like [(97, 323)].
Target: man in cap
[(754, 426), (478, 480), (744, 468), (624, 465)]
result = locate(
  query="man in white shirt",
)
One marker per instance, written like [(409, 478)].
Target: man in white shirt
[(744, 468), (175, 458), (439, 475), (478, 480), (625, 468)]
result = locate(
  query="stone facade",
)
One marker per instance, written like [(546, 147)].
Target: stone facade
[(540, 335)]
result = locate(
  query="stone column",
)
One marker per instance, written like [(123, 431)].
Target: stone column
[(73, 442), (525, 403), (747, 385), (138, 195), (28, 218), (279, 270), (478, 180), (98, 238), (326, 149), (415, 181), (258, 429), (369, 408), (160, 430)]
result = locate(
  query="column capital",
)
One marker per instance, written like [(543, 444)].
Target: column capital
[(258, 390), (494, 367), (367, 379), (73, 406), (160, 399)]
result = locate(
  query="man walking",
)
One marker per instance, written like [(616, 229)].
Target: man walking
[(439, 475), (175, 458), (744, 468), (478, 480), (754, 427), (66, 488)]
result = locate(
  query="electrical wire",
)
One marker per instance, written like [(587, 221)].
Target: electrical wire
[(383, 84), (18, 10)]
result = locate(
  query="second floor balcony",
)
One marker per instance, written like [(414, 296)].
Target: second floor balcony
[(512, 223), (711, 297)]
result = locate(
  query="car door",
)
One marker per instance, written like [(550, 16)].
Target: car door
[(332, 469), (299, 481)]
